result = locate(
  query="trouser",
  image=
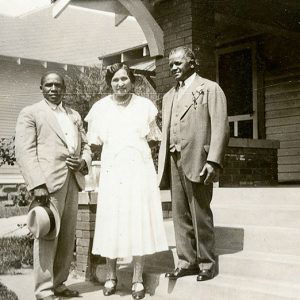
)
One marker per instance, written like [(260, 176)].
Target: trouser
[(193, 219), (52, 258)]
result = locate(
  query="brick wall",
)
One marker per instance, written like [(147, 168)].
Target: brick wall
[(249, 167), (85, 228), (177, 32), (189, 23), (84, 239)]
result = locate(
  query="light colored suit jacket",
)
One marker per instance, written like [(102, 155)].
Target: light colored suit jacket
[(204, 129), (41, 148)]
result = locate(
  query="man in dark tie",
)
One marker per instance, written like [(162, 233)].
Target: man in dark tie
[(195, 134)]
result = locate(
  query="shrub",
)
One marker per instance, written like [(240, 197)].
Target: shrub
[(15, 252), (7, 294), (85, 88), (22, 197), (7, 151), (12, 211)]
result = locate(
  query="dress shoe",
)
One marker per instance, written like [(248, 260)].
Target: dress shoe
[(205, 275), (107, 291), (67, 293), (178, 272), (137, 294)]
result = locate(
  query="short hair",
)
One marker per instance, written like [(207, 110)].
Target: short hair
[(53, 72), (188, 52), (113, 69)]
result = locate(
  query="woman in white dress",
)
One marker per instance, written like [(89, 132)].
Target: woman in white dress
[(129, 218)]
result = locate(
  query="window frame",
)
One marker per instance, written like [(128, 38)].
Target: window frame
[(254, 115)]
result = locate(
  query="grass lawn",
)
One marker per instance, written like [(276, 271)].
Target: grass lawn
[(15, 252), (12, 211), (6, 293)]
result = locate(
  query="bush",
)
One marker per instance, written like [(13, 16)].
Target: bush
[(7, 151), (12, 211), (15, 252), (22, 197), (85, 88), (6, 293)]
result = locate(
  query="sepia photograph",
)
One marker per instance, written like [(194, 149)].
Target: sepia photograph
[(150, 149)]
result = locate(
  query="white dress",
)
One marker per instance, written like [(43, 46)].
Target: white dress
[(129, 218)]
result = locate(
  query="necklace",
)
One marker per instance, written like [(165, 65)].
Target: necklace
[(123, 102)]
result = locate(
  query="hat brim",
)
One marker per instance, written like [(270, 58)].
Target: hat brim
[(33, 210)]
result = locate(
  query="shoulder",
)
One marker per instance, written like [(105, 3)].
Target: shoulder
[(143, 100), (31, 109), (73, 112), (145, 103), (101, 103), (168, 95), (97, 107), (209, 84), (169, 92)]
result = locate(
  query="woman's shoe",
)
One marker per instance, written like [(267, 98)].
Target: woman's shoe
[(137, 294), (107, 291)]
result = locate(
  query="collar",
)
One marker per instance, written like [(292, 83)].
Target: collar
[(54, 106), (186, 83)]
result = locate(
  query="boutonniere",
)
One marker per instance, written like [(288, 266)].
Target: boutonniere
[(76, 123), (196, 95)]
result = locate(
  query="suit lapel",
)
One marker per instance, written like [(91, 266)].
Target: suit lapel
[(52, 121), (168, 108), (188, 98)]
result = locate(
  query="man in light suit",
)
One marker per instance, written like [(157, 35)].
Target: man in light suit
[(195, 134), (53, 155)]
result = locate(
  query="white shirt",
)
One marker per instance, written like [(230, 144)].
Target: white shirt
[(67, 126), (182, 88)]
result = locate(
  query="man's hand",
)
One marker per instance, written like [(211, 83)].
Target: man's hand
[(75, 163), (209, 173), (41, 195)]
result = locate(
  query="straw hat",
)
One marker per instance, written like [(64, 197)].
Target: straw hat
[(43, 221)]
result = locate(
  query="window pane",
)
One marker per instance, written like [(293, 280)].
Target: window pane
[(235, 78), (245, 129), (231, 128)]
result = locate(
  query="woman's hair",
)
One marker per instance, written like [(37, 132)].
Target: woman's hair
[(113, 69)]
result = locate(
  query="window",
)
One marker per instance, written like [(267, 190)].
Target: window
[(237, 77)]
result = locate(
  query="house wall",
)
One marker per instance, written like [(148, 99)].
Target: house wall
[(19, 87), (282, 117)]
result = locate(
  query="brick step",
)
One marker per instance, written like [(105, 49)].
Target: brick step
[(223, 287), (282, 196), (258, 215), (258, 265), (277, 240)]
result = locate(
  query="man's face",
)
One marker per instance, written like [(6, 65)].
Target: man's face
[(180, 65), (53, 88)]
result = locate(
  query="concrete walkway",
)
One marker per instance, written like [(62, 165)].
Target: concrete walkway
[(13, 226), (22, 285)]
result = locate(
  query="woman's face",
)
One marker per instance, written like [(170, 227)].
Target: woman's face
[(121, 84)]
